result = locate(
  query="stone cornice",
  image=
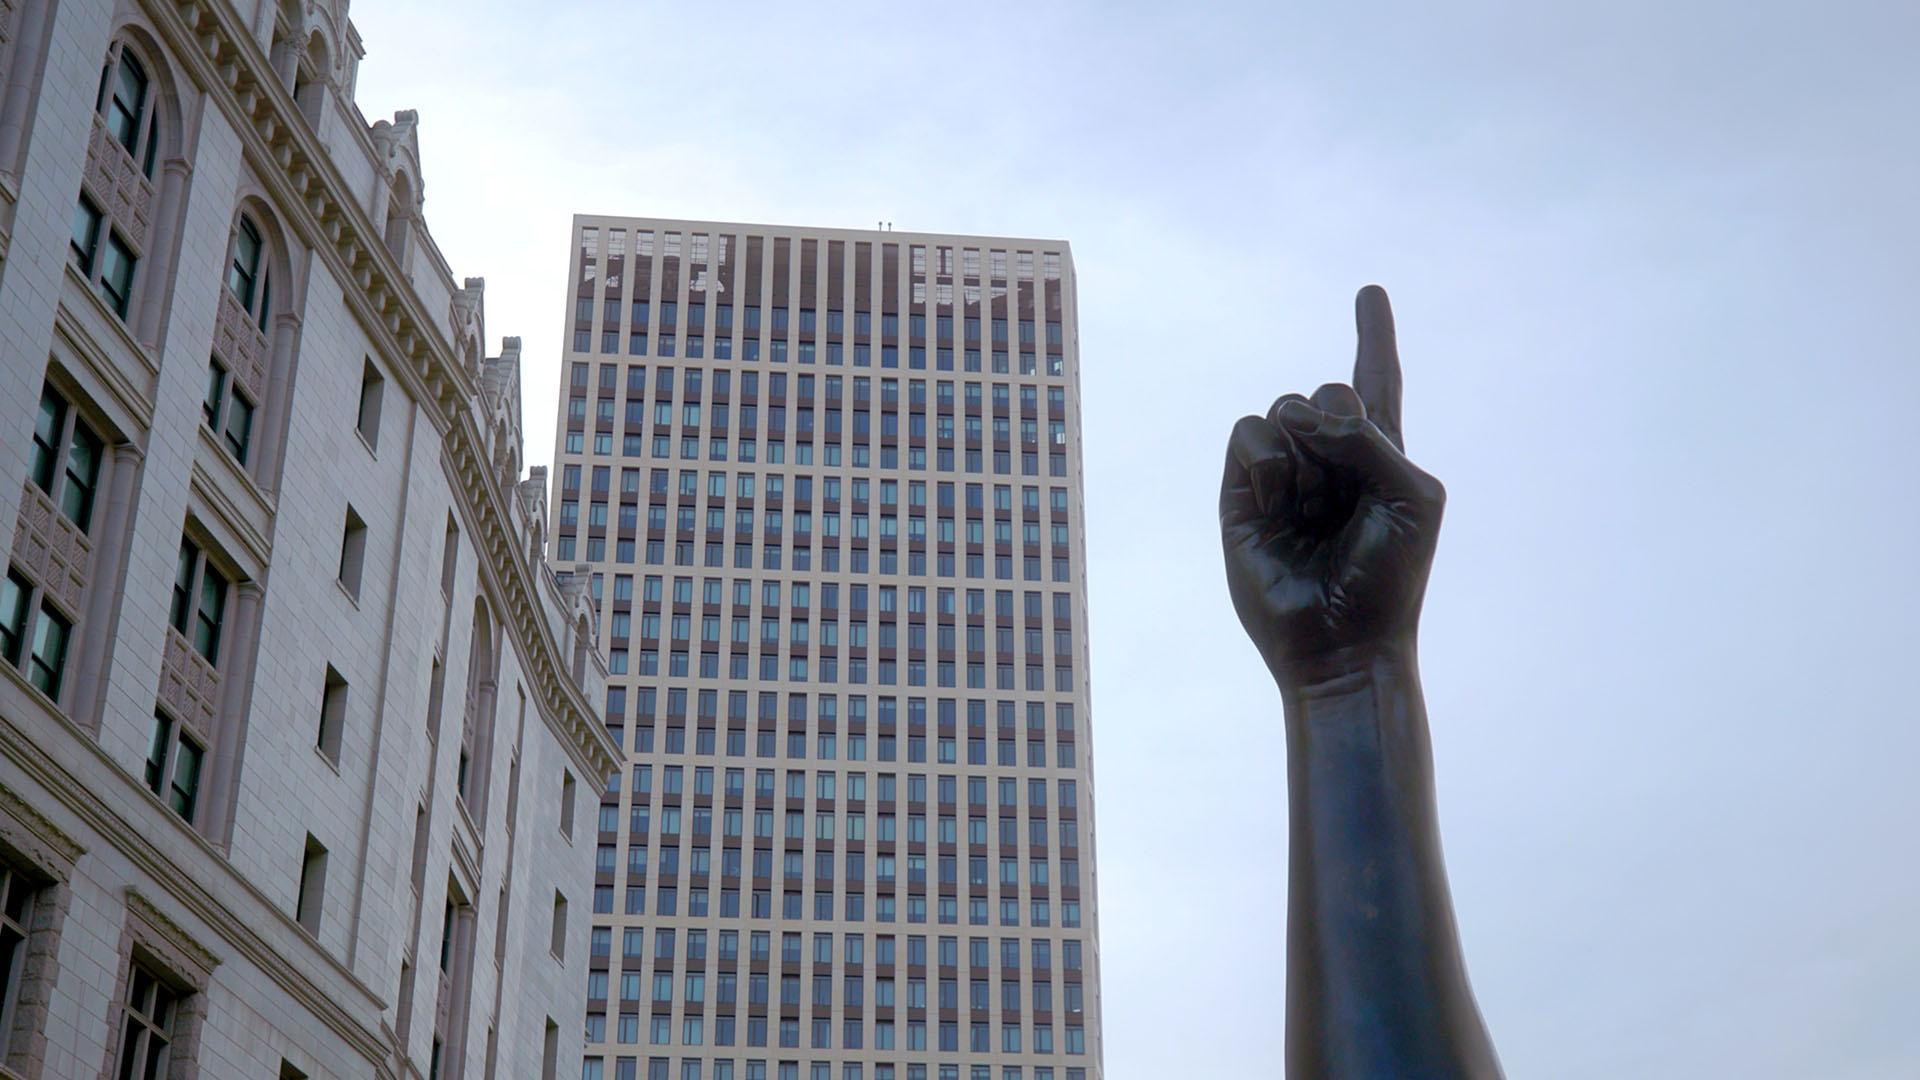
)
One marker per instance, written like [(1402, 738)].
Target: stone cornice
[(197, 958), (318, 203), (565, 709), (50, 848), (312, 195)]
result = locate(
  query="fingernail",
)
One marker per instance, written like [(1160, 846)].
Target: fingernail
[(1301, 417)]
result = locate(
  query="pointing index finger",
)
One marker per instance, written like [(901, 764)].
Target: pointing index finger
[(1376, 366)]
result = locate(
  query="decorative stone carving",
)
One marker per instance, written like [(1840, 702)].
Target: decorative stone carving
[(124, 193), (153, 936), (52, 549), (159, 933), (237, 340), (189, 686), (27, 831), (355, 250)]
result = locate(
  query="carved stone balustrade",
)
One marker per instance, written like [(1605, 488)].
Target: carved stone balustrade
[(189, 686), (52, 549), (238, 342), (123, 192)]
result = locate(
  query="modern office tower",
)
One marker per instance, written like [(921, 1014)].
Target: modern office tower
[(292, 711), (825, 486)]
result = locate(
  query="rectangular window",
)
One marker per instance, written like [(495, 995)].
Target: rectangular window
[(15, 594), (174, 762), (353, 551), (449, 556), (227, 412), (333, 716), (372, 389), (559, 945), (16, 918), (116, 274), (147, 1038), (60, 435), (198, 613), (313, 886), (84, 245), (47, 664)]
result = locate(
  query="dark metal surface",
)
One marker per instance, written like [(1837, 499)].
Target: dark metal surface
[(1329, 532)]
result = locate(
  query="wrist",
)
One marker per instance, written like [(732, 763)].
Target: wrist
[(1345, 669), (1357, 712)]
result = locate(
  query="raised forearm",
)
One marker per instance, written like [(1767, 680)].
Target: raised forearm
[(1376, 984)]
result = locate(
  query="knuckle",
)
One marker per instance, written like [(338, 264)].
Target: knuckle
[(1344, 427)]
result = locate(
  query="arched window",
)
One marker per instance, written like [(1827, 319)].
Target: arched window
[(476, 733), (115, 212), (125, 105), (238, 370), (246, 275)]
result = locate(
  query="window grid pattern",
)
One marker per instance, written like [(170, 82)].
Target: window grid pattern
[(834, 539)]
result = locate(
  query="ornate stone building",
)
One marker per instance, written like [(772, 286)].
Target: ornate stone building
[(293, 714)]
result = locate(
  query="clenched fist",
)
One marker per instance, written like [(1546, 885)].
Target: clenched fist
[(1329, 530)]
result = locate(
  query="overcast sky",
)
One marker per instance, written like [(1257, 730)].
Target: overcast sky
[(1655, 267)]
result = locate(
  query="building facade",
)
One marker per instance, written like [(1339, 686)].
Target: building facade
[(825, 486), (292, 710)]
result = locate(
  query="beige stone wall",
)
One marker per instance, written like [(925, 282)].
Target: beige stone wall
[(256, 119)]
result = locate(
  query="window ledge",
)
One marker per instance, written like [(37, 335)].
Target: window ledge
[(362, 436), (352, 597), (20, 678), (115, 324), (236, 501), (331, 762), (466, 814), (233, 468)]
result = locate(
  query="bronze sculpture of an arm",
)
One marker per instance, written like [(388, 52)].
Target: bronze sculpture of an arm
[(1329, 531)]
